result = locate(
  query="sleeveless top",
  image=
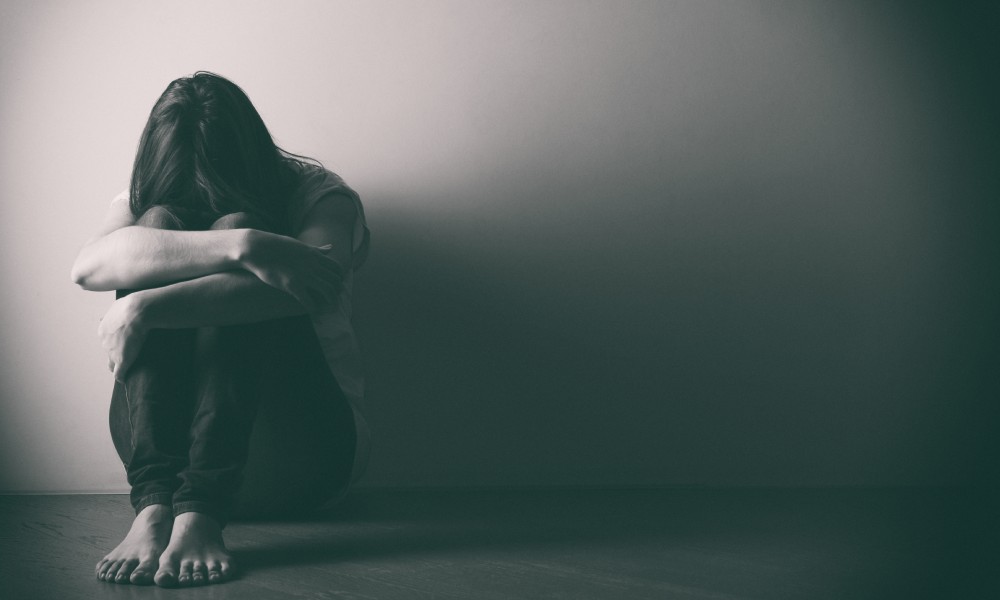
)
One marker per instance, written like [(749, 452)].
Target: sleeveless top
[(333, 326)]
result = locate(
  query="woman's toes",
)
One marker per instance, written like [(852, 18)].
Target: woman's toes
[(184, 575), (214, 573), (100, 567), (198, 573), (226, 570), (166, 575), (166, 579), (143, 574), (110, 568), (124, 571)]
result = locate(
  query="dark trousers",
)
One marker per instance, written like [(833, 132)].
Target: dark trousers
[(200, 410)]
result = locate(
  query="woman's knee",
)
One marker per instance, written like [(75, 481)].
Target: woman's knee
[(239, 220), (160, 217)]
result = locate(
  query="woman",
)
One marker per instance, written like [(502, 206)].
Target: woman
[(233, 261)]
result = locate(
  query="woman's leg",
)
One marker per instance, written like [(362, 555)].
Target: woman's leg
[(151, 408), (150, 417), (303, 442), (277, 363)]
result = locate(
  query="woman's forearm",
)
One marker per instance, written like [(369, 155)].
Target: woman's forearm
[(142, 257), (226, 298)]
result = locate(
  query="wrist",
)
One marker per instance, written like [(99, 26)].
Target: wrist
[(242, 247), (137, 305)]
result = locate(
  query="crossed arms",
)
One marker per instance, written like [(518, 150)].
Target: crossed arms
[(202, 278)]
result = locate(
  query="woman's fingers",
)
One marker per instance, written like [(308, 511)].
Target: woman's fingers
[(319, 301), (122, 364), (122, 367), (315, 284), (331, 266), (327, 261), (329, 291), (322, 293), (304, 298), (114, 359)]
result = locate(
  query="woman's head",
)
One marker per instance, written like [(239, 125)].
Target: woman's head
[(205, 147)]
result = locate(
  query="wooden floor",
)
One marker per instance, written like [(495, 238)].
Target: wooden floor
[(576, 544)]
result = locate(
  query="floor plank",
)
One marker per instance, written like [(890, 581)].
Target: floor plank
[(583, 544)]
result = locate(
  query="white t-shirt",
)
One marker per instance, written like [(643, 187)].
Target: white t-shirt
[(333, 327)]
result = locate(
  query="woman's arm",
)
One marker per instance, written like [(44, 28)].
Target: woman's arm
[(140, 257), (215, 299), (225, 298), (240, 296), (125, 256), (261, 291), (273, 284)]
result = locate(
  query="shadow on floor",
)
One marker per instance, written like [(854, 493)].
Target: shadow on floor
[(731, 541)]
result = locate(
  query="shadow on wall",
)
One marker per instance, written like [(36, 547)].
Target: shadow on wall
[(728, 352), (799, 292)]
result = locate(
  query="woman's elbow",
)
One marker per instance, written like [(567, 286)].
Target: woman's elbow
[(84, 274), (81, 276)]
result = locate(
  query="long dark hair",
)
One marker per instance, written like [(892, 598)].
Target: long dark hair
[(206, 148)]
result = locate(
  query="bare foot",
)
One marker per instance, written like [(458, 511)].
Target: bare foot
[(134, 559), (196, 554)]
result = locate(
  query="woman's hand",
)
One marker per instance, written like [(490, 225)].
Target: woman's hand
[(122, 334), (302, 271)]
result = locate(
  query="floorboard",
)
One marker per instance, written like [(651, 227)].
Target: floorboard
[(693, 544)]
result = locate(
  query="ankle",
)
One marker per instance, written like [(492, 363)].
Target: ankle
[(155, 513), (196, 520)]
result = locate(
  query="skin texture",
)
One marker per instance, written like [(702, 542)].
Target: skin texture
[(196, 554), (204, 278), (124, 255), (136, 558)]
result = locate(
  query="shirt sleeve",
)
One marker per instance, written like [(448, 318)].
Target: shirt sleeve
[(318, 183)]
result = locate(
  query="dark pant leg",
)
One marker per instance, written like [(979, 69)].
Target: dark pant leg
[(303, 442), (151, 408), (279, 362), (151, 414)]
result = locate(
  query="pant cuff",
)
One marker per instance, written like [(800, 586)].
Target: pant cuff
[(151, 499), (200, 506)]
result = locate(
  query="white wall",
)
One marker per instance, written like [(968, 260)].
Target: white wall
[(614, 242)]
